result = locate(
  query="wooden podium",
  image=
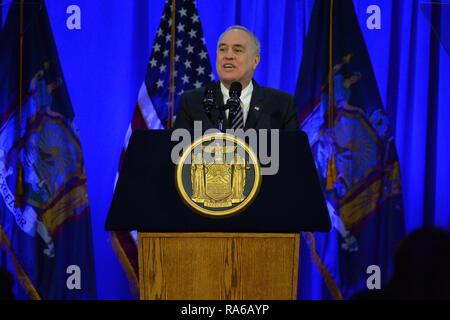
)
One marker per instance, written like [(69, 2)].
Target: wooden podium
[(218, 266), (183, 255)]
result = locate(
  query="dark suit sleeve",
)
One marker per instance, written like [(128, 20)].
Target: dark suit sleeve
[(183, 119), (290, 118)]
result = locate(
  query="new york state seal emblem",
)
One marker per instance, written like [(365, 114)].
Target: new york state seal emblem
[(218, 176)]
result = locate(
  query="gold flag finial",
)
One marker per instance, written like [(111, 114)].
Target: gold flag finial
[(329, 182)]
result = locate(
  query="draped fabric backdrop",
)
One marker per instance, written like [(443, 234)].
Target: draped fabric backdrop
[(104, 64)]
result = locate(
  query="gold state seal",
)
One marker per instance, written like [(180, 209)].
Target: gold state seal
[(218, 175)]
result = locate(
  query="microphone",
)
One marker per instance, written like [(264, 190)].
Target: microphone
[(209, 98), (233, 103)]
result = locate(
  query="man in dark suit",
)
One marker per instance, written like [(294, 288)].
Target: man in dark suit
[(262, 108)]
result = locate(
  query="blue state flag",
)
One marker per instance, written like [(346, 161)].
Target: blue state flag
[(353, 146), (45, 224)]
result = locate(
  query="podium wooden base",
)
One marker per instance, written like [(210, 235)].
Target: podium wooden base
[(218, 266)]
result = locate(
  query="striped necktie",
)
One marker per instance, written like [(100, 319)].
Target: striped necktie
[(237, 118)]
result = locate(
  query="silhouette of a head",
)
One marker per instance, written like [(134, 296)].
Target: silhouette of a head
[(422, 265)]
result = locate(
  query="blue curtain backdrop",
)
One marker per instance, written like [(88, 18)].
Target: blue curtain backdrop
[(104, 64)]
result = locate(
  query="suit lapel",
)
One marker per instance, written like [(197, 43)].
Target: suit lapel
[(256, 106), (219, 96)]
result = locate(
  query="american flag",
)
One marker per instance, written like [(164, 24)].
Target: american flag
[(185, 48), (179, 62)]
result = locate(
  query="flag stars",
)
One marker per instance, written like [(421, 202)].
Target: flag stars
[(192, 33), (180, 27), (200, 70), (189, 43), (152, 62), (187, 64), (190, 49), (194, 18), (203, 54), (182, 12)]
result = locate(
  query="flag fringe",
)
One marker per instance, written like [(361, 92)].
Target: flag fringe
[(25, 282), (125, 262), (328, 279), (333, 169)]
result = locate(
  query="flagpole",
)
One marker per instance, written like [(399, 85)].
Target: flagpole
[(19, 180), (330, 73), (331, 164), (172, 70)]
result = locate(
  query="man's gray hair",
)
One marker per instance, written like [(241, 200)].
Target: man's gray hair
[(255, 40)]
